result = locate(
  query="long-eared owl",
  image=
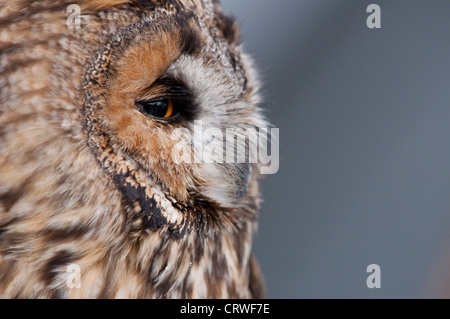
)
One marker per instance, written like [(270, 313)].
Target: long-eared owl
[(93, 201)]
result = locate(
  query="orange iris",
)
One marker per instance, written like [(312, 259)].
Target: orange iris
[(169, 108)]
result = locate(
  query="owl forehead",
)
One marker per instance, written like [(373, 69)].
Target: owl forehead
[(217, 34), (215, 49)]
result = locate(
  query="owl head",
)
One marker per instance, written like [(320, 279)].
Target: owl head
[(128, 139), (160, 99)]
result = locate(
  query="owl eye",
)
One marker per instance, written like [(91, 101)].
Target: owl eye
[(164, 108)]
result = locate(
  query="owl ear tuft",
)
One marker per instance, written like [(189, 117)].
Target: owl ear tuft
[(229, 28)]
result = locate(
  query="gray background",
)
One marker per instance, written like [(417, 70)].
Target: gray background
[(365, 157)]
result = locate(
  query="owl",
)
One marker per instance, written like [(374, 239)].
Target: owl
[(97, 99)]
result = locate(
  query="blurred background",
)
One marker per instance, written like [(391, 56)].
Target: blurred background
[(364, 120)]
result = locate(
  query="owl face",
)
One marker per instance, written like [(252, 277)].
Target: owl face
[(147, 92)]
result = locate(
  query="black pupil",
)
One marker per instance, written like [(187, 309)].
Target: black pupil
[(155, 108)]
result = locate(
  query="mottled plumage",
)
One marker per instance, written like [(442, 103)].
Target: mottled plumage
[(88, 179)]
